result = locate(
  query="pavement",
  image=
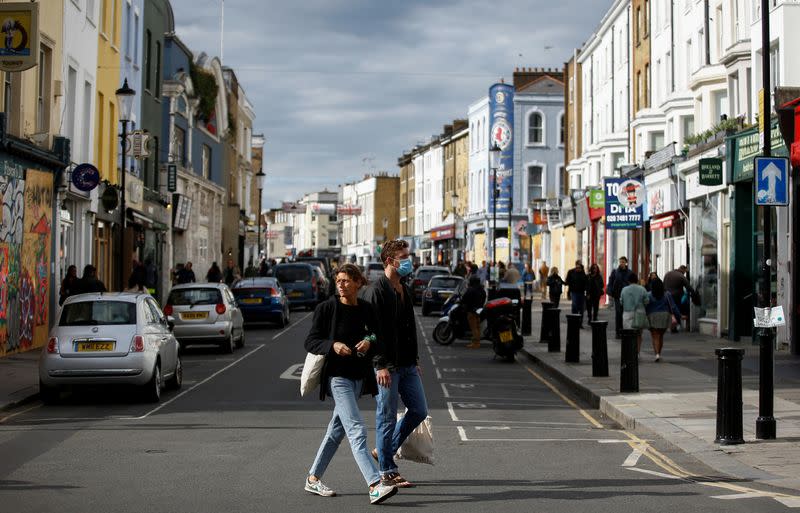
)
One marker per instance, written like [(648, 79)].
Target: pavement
[(676, 399)]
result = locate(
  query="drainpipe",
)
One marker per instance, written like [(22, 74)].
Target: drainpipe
[(707, 28), (672, 43)]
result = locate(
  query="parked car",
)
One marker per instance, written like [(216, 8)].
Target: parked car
[(262, 300), (299, 283), (323, 284), (374, 270), (325, 266), (439, 290), (109, 339), (206, 313), (422, 276)]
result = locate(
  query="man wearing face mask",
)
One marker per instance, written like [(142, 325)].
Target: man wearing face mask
[(397, 365)]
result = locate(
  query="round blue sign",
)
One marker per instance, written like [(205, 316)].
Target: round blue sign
[(85, 177)]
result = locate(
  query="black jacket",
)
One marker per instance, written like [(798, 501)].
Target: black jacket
[(474, 298), (388, 310), (320, 340), (618, 280), (594, 285), (576, 281)]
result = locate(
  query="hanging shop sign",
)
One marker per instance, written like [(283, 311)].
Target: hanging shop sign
[(323, 208), (746, 147), (183, 210), (172, 177), (625, 198), (137, 144), (711, 171), (85, 177), (501, 114), (20, 36), (597, 198), (659, 223), (109, 199), (567, 213)]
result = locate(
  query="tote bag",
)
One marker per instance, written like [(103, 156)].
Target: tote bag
[(312, 373), (640, 321), (418, 446)]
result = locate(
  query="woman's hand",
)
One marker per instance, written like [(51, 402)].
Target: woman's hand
[(384, 378), (341, 349), (362, 347)]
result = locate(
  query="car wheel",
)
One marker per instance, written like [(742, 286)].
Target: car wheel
[(240, 342), (151, 391), (49, 395), (228, 345), (175, 382)]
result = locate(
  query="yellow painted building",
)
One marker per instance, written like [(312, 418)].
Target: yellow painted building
[(107, 129)]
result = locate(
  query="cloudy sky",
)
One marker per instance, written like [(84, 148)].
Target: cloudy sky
[(342, 87)]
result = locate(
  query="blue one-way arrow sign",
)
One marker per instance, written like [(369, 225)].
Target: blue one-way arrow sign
[(772, 181)]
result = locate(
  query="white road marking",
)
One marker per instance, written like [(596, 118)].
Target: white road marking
[(471, 406), (789, 502), (653, 472), (748, 495), (462, 434), (167, 403), (447, 356), (438, 373), (492, 428), (293, 372), (454, 369), (461, 385), (11, 416), (444, 391), (632, 459), (452, 412), (433, 360), (292, 325)]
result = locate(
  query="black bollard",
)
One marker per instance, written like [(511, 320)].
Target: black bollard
[(573, 349), (527, 305), (729, 396), (599, 348), (544, 331), (629, 362), (554, 324)]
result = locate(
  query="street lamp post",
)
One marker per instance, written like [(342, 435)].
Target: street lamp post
[(494, 163), (125, 97), (260, 179)]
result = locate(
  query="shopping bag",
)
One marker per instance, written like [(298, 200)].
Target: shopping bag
[(312, 373), (418, 446), (640, 319)]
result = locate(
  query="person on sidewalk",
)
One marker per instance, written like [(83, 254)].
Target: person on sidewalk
[(69, 285), (676, 282), (343, 330), (483, 272), (528, 278), (616, 282), (576, 282), (397, 363), (89, 281), (214, 274), (474, 298), (594, 291), (661, 313), (186, 274), (634, 299), (543, 274), (512, 274), (555, 286)]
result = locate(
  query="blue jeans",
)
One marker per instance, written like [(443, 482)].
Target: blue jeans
[(390, 434), (578, 303), (346, 420)]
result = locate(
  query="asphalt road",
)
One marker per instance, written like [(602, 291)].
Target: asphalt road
[(239, 438)]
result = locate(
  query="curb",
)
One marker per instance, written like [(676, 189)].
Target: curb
[(26, 399)]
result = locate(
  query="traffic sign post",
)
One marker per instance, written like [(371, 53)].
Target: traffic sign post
[(772, 181)]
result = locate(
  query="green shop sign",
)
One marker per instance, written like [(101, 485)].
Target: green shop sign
[(710, 171), (746, 147), (597, 198)]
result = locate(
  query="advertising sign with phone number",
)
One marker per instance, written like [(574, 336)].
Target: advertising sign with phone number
[(625, 198)]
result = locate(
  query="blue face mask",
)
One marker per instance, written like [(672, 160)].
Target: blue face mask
[(405, 267)]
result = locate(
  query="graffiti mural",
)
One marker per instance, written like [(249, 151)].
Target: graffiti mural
[(25, 240)]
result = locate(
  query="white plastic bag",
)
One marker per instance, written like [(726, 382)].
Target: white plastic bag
[(312, 373), (419, 444)]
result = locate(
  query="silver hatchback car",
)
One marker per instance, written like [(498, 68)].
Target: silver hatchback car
[(110, 338), (206, 313)]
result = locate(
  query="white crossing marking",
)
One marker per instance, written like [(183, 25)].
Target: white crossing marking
[(472, 406), (492, 428), (438, 374), (452, 412), (653, 472), (632, 459), (444, 391), (462, 433), (748, 495), (293, 372)]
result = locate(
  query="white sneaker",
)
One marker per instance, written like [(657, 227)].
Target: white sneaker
[(380, 492), (319, 488)]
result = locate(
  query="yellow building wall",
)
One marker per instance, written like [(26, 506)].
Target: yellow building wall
[(107, 129)]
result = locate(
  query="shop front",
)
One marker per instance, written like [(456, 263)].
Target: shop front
[(667, 227), (444, 245)]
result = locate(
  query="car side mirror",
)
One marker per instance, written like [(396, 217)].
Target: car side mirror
[(171, 322)]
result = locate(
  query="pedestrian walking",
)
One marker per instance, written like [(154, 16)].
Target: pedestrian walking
[(634, 299), (576, 282), (232, 273), (69, 285), (677, 283), (397, 364), (460, 270), (616, 282), (662, 312), (343, 329), (528, 277), (594, 291), (473, 299), (89, 281), (214, 274), (512, 274), (186, 274), (543, 274), (653, 276), (555, 286), (483, 272)]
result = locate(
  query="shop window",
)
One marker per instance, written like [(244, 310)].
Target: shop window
[(708, 274)]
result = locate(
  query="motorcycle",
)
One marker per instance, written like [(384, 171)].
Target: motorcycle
[(501, 326)]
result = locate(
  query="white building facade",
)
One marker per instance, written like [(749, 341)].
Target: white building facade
[(477, 219)]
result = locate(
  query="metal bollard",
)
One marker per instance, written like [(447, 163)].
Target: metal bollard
[(599, 348), (554, 324), (544, 331), (573, 349), (629, 362), (729, 396), (527, 305)]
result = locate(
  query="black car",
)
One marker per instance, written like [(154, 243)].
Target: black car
[(439, 290), (421, 278)]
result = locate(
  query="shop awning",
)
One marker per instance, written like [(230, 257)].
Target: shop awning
[(443, 232), (659, 223)]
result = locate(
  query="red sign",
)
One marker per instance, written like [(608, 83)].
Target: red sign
[(443, 232), (348, 210), (662, 222)]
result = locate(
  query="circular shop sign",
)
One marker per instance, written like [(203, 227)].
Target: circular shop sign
[(85, 177), (501, 133), (631, 194)]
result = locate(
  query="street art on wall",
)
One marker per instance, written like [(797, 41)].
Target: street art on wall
[(25, 239)]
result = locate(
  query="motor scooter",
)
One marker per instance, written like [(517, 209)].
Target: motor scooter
[(501, 326)]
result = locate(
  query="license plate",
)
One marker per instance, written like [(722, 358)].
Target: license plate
[(295, 293), (506, 336), (251, 301), (194, 315), (81, 347)]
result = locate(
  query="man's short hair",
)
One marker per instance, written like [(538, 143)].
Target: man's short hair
[(624, 258), (391, 249)]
